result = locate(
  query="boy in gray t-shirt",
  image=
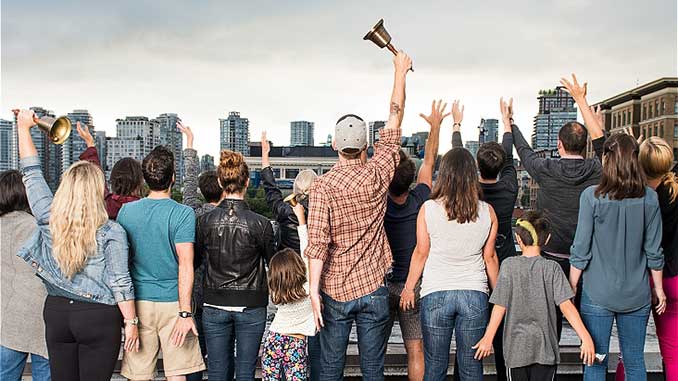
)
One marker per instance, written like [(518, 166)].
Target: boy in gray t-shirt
[(528, 291)]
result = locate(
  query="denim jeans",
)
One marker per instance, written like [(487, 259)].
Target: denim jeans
[(631, 327), (462, 312), (370, 313), (197, 316), (12, 365), (228, 333)]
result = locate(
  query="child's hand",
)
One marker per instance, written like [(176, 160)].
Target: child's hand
[(483, 348), (588, 351), (300, 213)]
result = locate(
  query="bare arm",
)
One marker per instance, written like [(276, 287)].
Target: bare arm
[(588, 351), (184, 325), (490, 251), (435, 119), (128, 310), (484, 346), (457, 117), (402, 63), (419, 257), (578, 92)]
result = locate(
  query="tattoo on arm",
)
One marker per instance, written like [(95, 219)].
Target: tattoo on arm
[(395, 109)]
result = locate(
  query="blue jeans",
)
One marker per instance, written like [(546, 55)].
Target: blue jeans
[(227, 333), (12, 365), (462, 312), (370, 313), (631, 327)]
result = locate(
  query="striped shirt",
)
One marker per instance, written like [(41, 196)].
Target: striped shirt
[(346, 221)]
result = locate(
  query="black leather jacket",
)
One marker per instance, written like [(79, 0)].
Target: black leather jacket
[(284, 214), (235, 244)]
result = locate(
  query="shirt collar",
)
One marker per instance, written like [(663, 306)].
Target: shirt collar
[(348, 163)]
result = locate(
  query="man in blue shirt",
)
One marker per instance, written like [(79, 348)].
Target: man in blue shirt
[(161, 233)]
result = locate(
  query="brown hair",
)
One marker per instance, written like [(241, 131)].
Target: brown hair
[(286, 277), (538, 222), (656, 159), (623, 177), (127, 178), (233, 172), (403, 176), (458, 185), (12, 193)]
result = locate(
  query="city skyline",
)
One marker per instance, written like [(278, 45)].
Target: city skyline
[(274, 78)]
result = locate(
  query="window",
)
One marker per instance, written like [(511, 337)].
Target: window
[(675, 107), (675, 131), (624, 118), (645, 111), (650, 113), (291, 173), (661, 130), (656, 108)]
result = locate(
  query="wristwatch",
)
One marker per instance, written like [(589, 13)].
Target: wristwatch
[(134, 321), (185, 314)]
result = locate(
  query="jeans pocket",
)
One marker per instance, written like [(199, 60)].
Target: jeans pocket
[(477, 304)]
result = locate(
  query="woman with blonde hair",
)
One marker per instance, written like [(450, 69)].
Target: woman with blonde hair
[(82, 257), (656, 159)]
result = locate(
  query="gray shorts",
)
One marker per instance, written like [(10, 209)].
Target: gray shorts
[(410, 323)]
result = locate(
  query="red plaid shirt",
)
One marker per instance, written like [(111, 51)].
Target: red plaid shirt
[(346, 221)]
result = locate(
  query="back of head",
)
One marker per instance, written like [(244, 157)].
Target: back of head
[(350, 136), (12, 193), (303, 182), (286, 277), (490, 158), (127, 178), (233, 172), (533, 228), (77, 212), (656, 159), (403, 176), (457, 186), (209, 186), (158, 169), (623, 177), (573, 136)]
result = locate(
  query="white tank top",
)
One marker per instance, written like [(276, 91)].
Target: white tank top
[(455, 261)]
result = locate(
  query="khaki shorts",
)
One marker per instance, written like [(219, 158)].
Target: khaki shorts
[(156, 321)]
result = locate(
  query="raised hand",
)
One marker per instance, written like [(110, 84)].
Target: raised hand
[(506, 113), (265, 151), (437, 114), (577, 91), (25, 119), (598, 114), (457, 112), (402, 63), (629, 131), (84, 134), (186, 131)]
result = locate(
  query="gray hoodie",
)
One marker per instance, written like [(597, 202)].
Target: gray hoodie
[(561, 182)]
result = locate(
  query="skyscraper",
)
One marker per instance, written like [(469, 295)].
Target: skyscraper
[(301, 133), (472, 146), (556, 107), (373, 131), (100, 142), (136, 136), (171, 137), (49, 153), (235, 133), (73, 147), (7, 142), (488, 131), (207, 163)]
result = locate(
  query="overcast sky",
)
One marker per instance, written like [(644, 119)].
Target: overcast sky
[(276, 61)]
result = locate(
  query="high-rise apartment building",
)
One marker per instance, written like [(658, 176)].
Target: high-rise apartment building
[(373, 131), (100, 142), (136, 136), (171, 137), (74, 146), (556, 107), (235, 133), (207, 163), (49, 153), (301, 133), (488, 131), (7, 143), (472, 146)]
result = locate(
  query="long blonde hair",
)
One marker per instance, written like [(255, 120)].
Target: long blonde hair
[(656, 158), (77, 212)]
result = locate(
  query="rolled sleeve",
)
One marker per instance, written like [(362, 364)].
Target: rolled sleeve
[(580, 251), (653, 233), (117, 268), (319, 237)]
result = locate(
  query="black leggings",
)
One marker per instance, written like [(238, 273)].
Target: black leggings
[(83, 339)]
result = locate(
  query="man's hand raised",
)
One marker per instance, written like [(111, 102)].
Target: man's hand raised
[(577, 91), (265, 151), (437, 115), (84, 134), (506, 113), (402, 63), (186, 131)]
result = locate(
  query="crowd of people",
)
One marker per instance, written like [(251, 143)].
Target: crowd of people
[(371, 241)]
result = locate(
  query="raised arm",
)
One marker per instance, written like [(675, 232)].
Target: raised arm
[(533, 164), (419, 257), (508, 174), (37, 190), (274, 197), (402, 63), (578, 92), (192, 169), (434, 120), (457, 117)]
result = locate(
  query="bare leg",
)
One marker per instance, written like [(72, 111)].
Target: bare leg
[(415, 359)]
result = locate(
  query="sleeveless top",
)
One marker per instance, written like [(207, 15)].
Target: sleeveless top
[(455, 261)]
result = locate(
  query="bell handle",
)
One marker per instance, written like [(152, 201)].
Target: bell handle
[(16, 111), (393, 50)]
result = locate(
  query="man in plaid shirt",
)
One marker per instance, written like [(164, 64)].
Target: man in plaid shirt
[(348, 249)]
